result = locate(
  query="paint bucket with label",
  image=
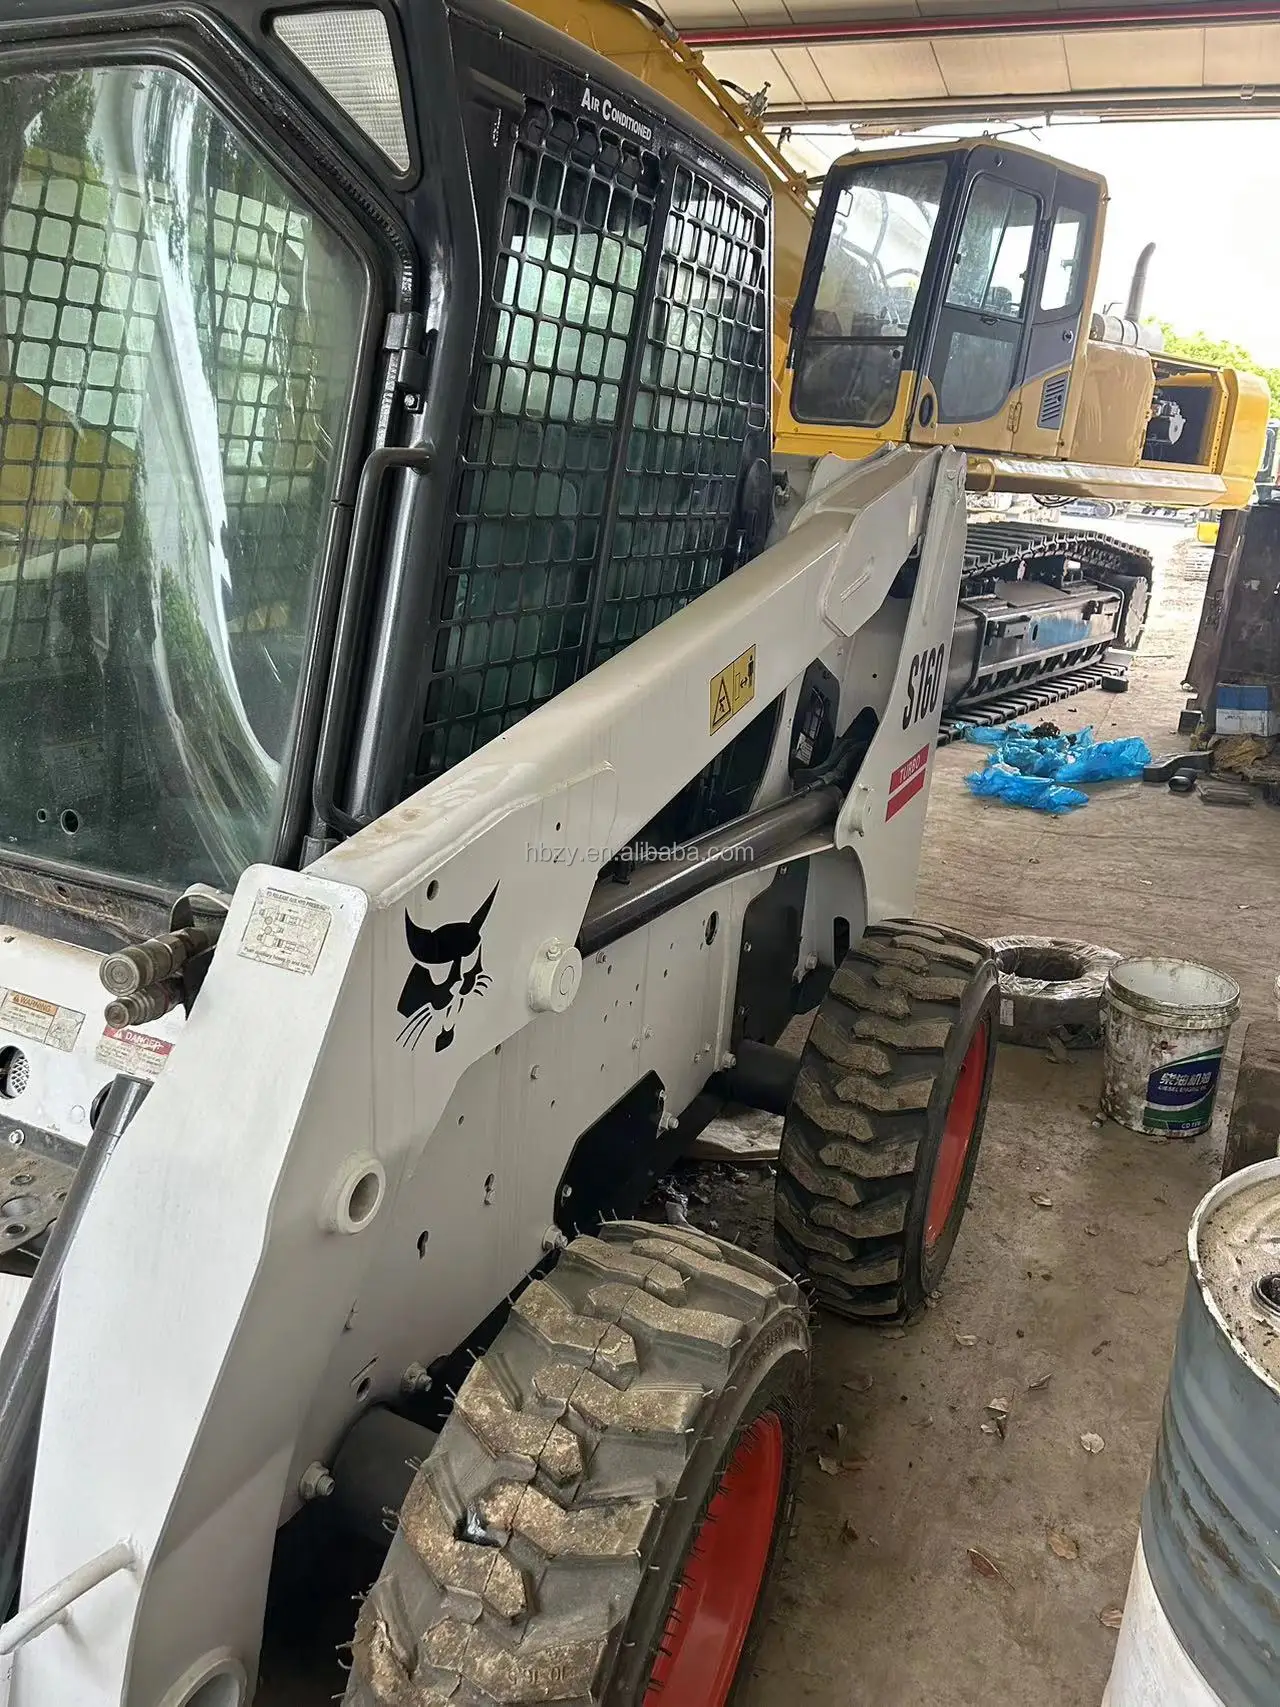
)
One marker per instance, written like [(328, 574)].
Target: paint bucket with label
[(1165, 1024), (1202, 1620)]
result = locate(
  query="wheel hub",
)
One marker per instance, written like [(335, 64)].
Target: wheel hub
[(716, 1600), (957, 1135)]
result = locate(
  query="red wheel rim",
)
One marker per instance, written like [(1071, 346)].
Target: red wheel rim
[(716, 1600), (957, 1136)]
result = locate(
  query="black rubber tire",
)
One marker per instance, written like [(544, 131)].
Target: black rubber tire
[(861, 1139), (1051, 986), (542, 1543)]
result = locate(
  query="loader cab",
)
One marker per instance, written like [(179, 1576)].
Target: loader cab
[(943, 301), (344, 421)]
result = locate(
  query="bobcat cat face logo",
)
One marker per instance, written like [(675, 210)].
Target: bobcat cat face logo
[(447, 970)]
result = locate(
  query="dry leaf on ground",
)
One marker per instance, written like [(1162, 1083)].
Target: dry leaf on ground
[(1112, 1617), (1040, 1383), (1042, 1200), (1092, 1442), (985, 1565), (966, 1339), (1063, 1545), (839, 1466)]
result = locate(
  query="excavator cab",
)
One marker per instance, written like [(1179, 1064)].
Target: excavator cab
[(943, 299)]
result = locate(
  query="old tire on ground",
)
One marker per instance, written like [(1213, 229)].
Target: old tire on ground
[(1051, 986), (881, 1139), (602, 1516)]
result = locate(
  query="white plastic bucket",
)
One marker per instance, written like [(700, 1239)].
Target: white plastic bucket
[(1165, 1024)]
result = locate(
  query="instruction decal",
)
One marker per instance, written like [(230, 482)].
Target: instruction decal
[(446, 970), (286, 930), (906, 782), (732, 688), (131, 1051), (44, 1022)]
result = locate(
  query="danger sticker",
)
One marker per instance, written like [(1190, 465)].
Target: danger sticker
[(130, 1051), (286, 930), (44, 1022), (732, 688), (906, 782)]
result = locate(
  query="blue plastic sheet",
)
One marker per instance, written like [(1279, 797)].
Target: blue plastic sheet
[(1104, 761), (1040, 793), (1043, 771), (998, 736)]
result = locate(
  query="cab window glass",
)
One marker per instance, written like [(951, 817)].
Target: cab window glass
[(994, 255), (1064, 269), (178, 346), (848, 368)]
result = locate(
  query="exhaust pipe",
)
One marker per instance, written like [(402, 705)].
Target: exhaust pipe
[(1138, 284)]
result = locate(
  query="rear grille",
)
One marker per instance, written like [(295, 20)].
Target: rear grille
[(1053, 400), (599, 369)]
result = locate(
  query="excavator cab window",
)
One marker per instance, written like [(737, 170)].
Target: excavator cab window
[(1066, 266), (881, 223), (981, 325)]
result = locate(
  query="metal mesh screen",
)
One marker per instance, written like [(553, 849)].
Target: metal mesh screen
[(596, 373), (701, 392), (547, 398)]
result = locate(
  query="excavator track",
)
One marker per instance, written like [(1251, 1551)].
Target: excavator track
[(1040, 606), (994, 548), (1007, 708)]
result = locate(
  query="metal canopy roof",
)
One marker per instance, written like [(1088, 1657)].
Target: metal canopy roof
[(915, 61)]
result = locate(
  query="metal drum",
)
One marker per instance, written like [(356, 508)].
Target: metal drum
[(1202, 1621)]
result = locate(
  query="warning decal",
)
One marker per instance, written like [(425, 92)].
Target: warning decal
[(732, 688), (46, 1022), (130, 1051), (906, 782)]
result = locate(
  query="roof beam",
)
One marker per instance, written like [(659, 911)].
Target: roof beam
[(1120, 14), (1117, 104)]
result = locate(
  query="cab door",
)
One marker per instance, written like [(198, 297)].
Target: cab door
[(977, 345), (1063, 288)]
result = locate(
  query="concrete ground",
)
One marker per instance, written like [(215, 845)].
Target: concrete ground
[(881, 1604)]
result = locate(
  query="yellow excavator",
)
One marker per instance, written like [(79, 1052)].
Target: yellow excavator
[(947, 300)]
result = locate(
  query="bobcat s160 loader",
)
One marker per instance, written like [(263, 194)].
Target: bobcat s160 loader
[(431, 778)]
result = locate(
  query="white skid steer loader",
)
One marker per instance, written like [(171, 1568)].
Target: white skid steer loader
[(432, 780)]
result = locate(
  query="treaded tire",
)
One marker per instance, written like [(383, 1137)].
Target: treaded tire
[(543, 1541), (863, 1137), (1051, 986)]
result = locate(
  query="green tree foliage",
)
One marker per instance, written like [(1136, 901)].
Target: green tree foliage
[(1199, 347)]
